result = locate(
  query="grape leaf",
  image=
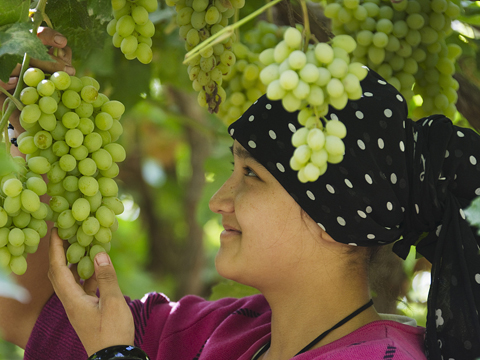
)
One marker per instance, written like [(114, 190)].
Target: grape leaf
[(101, 9), (12, 11), (16, 40), (7, 165), (83, 28), (7, 64)]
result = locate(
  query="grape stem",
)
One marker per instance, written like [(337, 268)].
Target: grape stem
[(225, 33), (16, 94), (306, 25), (17, 102), (269, 13)]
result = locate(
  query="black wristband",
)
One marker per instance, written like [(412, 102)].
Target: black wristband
[(120, 352)]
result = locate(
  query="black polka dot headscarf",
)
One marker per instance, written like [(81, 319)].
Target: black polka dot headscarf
[(399, 179)]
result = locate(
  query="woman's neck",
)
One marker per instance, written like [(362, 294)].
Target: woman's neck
[(300, 315)]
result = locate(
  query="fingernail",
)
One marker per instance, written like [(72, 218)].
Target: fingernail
[(70, 70), (102, 259), (59, 39), (12, 80)]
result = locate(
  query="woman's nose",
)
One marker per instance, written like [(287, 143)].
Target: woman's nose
[(222, 201)]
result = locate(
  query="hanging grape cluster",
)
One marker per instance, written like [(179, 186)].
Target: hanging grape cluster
[(405, 43), (71, 133), (243, 85), (198, 20), (311, 81), (131, 28), (22, 217)]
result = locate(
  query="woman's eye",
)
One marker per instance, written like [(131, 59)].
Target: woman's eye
[(249, 172)]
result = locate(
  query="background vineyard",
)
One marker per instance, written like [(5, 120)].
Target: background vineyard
[(177, 152)]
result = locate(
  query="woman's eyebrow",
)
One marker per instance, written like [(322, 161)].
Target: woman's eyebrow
[(241, 153)]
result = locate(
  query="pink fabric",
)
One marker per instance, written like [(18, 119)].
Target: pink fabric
[(227, 329)]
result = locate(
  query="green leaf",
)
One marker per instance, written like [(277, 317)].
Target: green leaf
[(472, 19), (229, 288), (131, 80), (7, 165), (101, 9), (84, 30), (7, 64), (17, 39), (473, 213), (12, 11)]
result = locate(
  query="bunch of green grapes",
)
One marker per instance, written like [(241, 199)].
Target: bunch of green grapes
[(311, 81), (405, 43), (243, 85), (131, 28), (71, 133), (198, 20), (22, 217)]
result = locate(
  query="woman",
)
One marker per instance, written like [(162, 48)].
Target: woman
[(306, 248)]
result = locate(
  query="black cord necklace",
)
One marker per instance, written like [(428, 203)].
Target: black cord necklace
[(322, 335)]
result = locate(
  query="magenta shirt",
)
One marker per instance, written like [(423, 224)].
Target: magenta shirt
[(226, 329)]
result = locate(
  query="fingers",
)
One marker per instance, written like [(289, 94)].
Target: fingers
[(51, 37), (57, 65), (106, 277), (11, 84), (73, 269), (90, 286), (59, 274)]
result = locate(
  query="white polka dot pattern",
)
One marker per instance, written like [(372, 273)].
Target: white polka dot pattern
[(310, 195), (380, 142)]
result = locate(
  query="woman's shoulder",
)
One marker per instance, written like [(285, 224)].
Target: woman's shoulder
[(255, 302), (191, 308), (393, 337)]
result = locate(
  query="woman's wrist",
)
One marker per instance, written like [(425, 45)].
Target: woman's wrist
[(123, 352)]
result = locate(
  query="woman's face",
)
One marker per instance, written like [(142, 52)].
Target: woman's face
[(265, 236)]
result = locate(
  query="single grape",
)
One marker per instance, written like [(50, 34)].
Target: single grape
[(90, 226), (114, 204), (88, 185), (61, 80), (18, 264), (12, 187), (33, 76), (30, 200), (38, 165), (30, 113), (85, 268), (71, 99), (29, 95), (74, 253), (125, 26), (43, 139)]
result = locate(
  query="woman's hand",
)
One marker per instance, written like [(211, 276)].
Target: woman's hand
[(99, 322)]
